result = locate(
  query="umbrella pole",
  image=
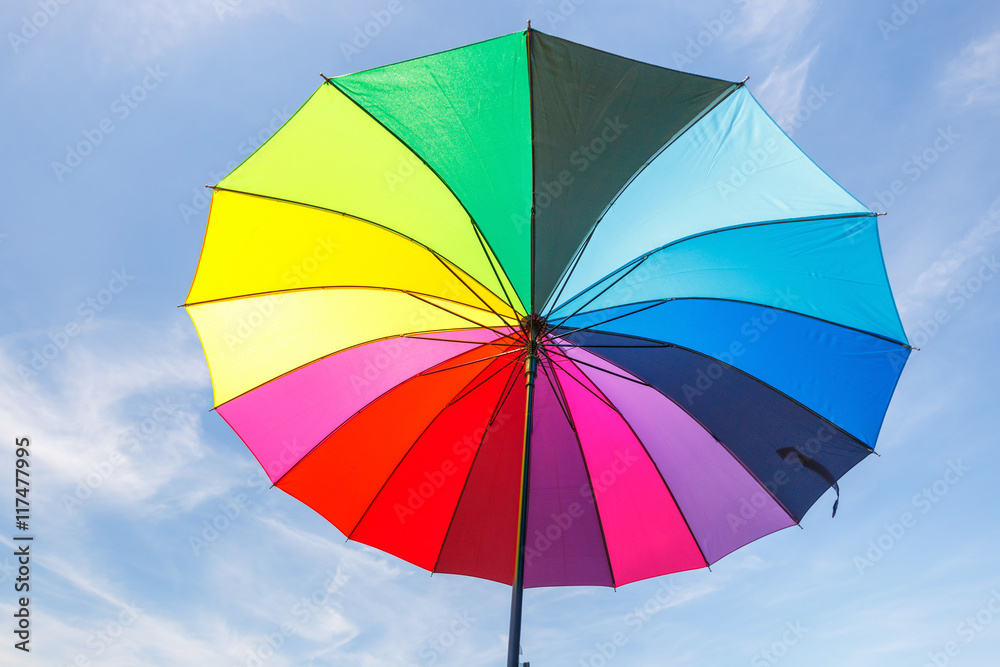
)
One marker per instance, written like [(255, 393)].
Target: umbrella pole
[(517, 595)]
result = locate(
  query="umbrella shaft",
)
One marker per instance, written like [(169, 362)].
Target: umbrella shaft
[(517, 595)]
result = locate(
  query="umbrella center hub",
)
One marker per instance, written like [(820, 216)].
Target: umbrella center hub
[(532, 328)]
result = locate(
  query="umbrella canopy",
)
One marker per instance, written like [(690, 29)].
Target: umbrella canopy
[(535, 313)]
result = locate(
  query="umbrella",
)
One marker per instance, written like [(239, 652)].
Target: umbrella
[(532, 312)]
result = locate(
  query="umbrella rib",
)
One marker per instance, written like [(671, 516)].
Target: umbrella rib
[(488, 251), (560, 397), (434, 171), (564, 279), (612, 319), (465, 392), (656, 467), (418, 336), (603, 370), (357, 412), (468, 363), (590, 481), (596, 395), (634, 263), (716, 438), (658, 302), (508, 387), (467, 319), (478, 296), (407, 453)]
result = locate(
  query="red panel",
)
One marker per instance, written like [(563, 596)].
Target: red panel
[(412, 513), (483, 535), (341, 476)]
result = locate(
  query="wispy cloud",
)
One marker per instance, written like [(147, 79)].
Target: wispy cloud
[(769, 32), (781, 93), (973, 78), (939, 278)]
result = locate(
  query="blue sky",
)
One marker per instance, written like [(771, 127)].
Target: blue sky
[(157, 541)]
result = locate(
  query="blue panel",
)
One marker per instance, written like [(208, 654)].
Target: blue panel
[(733, 167), (794, 453), (828, 269), (843, 375)]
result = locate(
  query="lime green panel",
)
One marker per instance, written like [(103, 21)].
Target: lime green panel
[(467, 113), (251, 341), (256, 245), (333, 155)]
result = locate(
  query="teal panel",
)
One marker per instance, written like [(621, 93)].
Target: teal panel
[(830, 269)]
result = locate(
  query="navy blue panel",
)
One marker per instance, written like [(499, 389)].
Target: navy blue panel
[(757, 424), (846, 376)]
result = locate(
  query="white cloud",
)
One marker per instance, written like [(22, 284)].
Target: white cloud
[(973, 78), (938, 278), (781, 93)]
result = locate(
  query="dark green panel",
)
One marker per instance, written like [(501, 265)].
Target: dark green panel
[(597, 119)]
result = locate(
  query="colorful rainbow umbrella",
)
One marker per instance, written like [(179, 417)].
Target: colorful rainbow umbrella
[(531, 312)]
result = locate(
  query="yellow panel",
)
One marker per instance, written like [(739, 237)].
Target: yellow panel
[(333, 155), (256, 245), (251, 341)]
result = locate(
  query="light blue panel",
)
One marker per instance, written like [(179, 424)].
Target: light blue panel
[(828, 269), (843, 375), (734, 166)]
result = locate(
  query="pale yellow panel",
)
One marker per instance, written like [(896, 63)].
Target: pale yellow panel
[(250, 341)]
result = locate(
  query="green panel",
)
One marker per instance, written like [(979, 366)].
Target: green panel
[(597, 119), (333, 155), (466, 112)]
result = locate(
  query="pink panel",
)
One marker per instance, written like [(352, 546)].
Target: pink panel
[(645, 533), (281, 421)]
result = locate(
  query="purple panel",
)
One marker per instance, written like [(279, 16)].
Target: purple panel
[(725, 506), (564, 544), (281, 421)]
